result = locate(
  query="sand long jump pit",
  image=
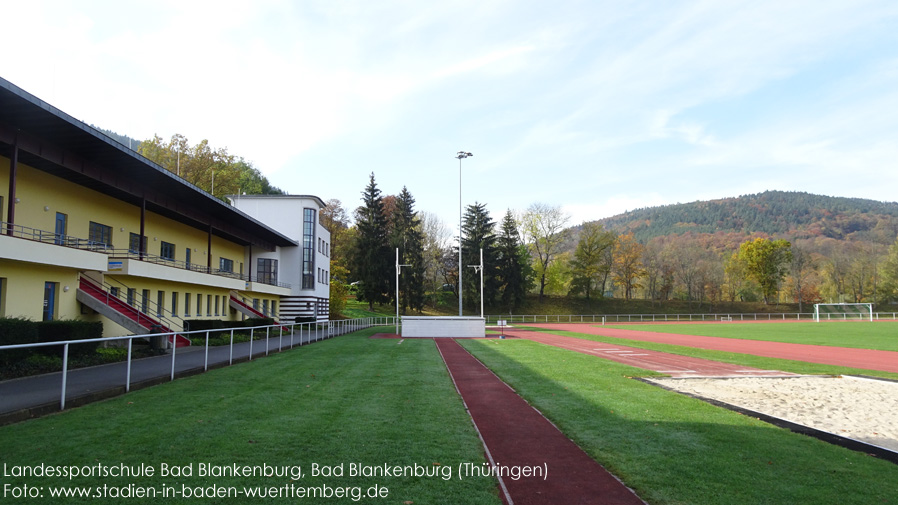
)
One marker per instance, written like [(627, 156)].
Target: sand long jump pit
[(851, 408)]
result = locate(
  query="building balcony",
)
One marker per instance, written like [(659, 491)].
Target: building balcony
[(22, 243)]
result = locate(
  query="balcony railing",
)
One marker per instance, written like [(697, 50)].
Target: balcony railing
[(48, 237)]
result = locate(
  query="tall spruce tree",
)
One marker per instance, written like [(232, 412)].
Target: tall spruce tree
[(514, 272), (477, 234), (406, 235), (372, 262)]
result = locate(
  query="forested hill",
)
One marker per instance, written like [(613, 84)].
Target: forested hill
[(790, 215)]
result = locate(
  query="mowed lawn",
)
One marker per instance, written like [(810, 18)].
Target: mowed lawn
[(673, 449), (879, 335), (347, 400)]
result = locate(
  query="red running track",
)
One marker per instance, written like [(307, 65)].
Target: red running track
[(885, 361), (671, 364), (517, 435)]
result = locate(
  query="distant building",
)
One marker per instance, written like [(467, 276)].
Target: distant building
[(91, 230)]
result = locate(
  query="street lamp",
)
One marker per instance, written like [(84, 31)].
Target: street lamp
[(398, 268), (460, 155)]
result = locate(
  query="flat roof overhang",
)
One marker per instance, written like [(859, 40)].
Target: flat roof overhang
[(54, 142)]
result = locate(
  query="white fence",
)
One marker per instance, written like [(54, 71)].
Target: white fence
[(645, 318), (305, 333)]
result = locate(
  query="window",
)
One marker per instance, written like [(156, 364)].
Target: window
[(274, 309), (256, 303), (216, 304), (145, 301), (187, 304), (62, 221), (225, 265), (132, 294), (267, 270), (208, 305), (100, 234), (308, 249), (187, 257), (135, 245), (174, 303), (114, 291), (199, 304), (160, 302), (1, 208), (167, 251), (265, 307)]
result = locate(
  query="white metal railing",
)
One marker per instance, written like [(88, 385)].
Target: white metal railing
[(643, 318), (307, 333)]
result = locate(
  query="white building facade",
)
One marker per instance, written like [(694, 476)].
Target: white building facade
[(305, 268)]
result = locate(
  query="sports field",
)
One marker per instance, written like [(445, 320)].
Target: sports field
[(880, 335), (376, 402)]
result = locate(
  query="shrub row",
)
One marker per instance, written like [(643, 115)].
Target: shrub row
[(15, 331)]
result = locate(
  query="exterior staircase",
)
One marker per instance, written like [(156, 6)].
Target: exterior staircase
[(99, 299), (240, 306)]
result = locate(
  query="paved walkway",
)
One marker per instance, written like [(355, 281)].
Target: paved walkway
[(867, 359), (516, 435), (41, 394)]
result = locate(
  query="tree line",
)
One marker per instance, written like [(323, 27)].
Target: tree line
[(536, 252)]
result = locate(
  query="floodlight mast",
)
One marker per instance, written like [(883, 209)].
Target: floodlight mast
[(460, 155)]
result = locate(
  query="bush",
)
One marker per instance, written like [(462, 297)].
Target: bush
[(15, 331), (258, 321), (304, 319), (53, 331)]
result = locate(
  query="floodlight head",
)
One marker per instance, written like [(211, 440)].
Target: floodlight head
[(463, 154)]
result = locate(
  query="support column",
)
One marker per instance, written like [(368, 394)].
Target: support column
[(11, 205), (209, 250), (142, 243)]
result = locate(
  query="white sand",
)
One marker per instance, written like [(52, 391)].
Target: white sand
[(853, 407)]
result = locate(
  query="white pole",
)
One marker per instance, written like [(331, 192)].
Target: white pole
[(459, 235), (481, 283), (397, 291)]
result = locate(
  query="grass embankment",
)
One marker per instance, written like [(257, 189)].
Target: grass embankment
[(345, 400), (675, 449), (880, 335), (764, 363)]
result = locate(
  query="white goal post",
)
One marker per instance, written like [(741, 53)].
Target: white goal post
[(843, 311)]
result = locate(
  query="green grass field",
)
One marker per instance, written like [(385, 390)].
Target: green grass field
[(371, 401), (881, 335), (674, 449), (346, 400)]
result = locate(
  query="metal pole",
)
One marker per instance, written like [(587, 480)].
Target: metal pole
[(459, 235), (481, 283), (397, 288), (174, 347), (128, 368), (65, 373)]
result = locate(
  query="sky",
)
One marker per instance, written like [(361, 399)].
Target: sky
[(595, 107)]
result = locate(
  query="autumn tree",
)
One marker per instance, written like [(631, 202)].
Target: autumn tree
[(889, 272), (766, 262), (372, 262), (437, 271), (543, 227), (588, 266), (334, 219), (801, 267), (628, 268)]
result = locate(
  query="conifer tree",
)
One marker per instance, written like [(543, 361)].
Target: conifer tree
[(372, 264), (513, 270), (477, 234), (406, 235)]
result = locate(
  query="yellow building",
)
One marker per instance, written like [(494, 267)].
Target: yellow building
[(92, 230)]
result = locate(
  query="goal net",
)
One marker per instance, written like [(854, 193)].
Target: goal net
[(843, 311)]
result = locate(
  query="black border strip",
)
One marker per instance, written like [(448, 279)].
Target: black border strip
[(848, 443)]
